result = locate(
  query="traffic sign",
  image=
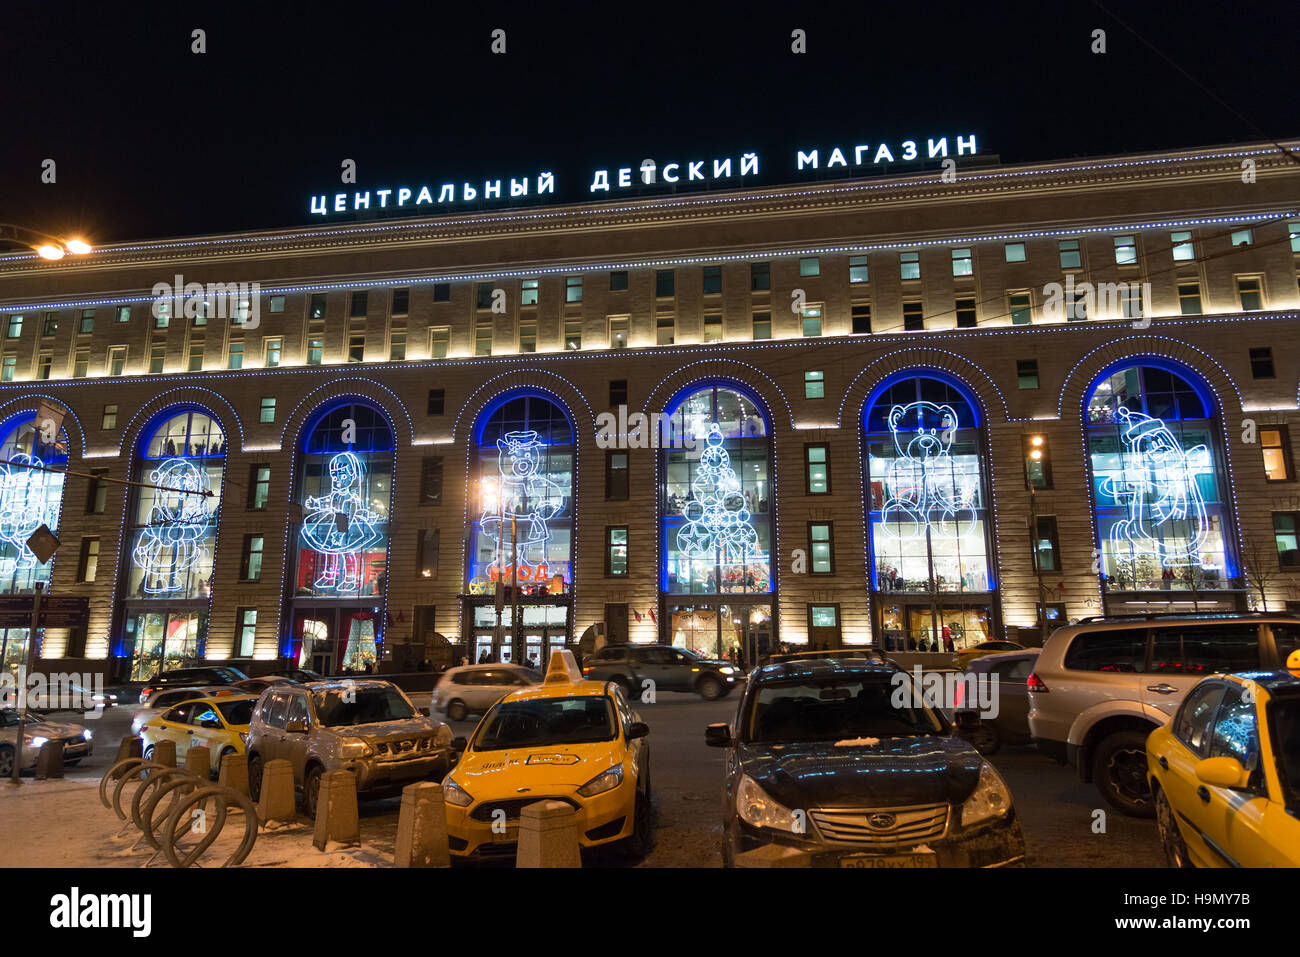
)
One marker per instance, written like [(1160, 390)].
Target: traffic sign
[(42, 543)]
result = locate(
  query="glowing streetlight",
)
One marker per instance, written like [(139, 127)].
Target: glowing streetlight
[(49, 251), (48, 247), (78, 247)]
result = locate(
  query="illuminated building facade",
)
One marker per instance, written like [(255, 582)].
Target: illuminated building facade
[(726, 419)]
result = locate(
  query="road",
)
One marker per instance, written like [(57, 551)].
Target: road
[(1058, 813)]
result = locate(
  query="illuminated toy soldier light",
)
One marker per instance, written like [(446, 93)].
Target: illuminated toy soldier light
[(22, 509), (172, 542), (531, 499), (340, 526)]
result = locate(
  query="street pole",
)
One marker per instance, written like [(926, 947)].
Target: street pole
[(22, 710), (516, 654), (1038, 565), (498, 634)]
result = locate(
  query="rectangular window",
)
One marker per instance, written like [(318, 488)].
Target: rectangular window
[(1070, 255), (259, 486), (157, 356), (712, 280), (1293, 228), (44, 366), (1275, 441), (357, 348), (665, 329), (617, 393), (317, 308), (712, 328), (910, 264), (250, 566), (618, 332), (861, 316), (824, 616), (1243, 237), (962, 263), (50, 324), (572, 334), (1131, 307), (817, 476), (116, 360), (15, 327), (821, 550), (1014, 252), (271, 351), (277, 304), (858, 271), (812, 321), (426, 565), (1038, 461), (483, 295), (913, 320), (10, 365), (1076, 310), (235, 359), (1261, 363), (762, 325), (1021, 308), (615, 550), (616, 476), (1047, 556), (965, 313), (87, 325), (96, 492), (760, 277), (437, 402), (201, 314), (618, 281), (665, 284), (1286, 533), (123, 313), (528, 292), (573, 289), (88, 563), (161, 314), (1189, 298), (442, 292), (109, 419), (315, 351), (396, 346), (246, 619), (814, 384), (1126, 253), (810, 266), (528, 335), (1027, 373), (81, 363), (266, 410), (483, 338), (1183, 249), (439, 340), (358, 308), (401, 302), (1250, 294), (431, 480)]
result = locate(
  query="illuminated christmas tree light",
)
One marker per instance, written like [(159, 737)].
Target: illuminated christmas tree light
[(719, 525)]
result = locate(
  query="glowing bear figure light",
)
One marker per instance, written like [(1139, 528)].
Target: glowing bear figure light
[(924, 495), (718, 526), (531, 499), (175, 540), (341, 542), (22, 509), (1166, 511)]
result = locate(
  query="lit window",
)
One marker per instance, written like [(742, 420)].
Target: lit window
[(616, 551), (1243, 237), (812, 320), (88, 564), (1275, 441), (247, 618), (250, 569), (1021, 308), (1286, 533), (266, 412), (439, 339), (317, 308), (820, 550), (1189, 298), (116, 360), (483, 339), (123, 313), (259, 487), (858, 271), (277, 303), (236, 357), (196, 357), (1183, 249), (315, 351), (109, 419), (1248, 290), (962, 264), (81, 364), (7, 371), (15, 327), (573, 289), (910, 264), (572, 334), (1038, 461), (814, 384), (1293, 228), (618, 333), (87, 322), (1126, 253), (272, 348), (811, 266), (528, 292), (1015, 252), (712, 328), (1070, 255), (1027, 373), (157, 355), (817, 478)]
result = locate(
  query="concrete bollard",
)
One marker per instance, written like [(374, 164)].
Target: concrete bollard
[(164, 753), (198, 761), (774, 855), (128, 748), (233, 773), (336, 811), (548, 836), (49, 761), (276, 803), (422, 827)]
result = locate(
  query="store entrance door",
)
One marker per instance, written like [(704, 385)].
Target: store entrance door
[(333, 640)]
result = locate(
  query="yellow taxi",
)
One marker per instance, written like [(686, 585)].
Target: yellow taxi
[(1225, 773), (992, 647), (564, 740), (219, 724)]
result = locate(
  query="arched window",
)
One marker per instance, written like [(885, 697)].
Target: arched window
[(344, 487), (1158, 483), (716, 527), (931, 574), (521, 527), (170, 541)]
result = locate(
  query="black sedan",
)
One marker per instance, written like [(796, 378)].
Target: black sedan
[(841, 762)]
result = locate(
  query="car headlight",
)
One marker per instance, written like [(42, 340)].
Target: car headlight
[(355, 748), (602, 782), (243, 736), (454, 794), (991, 799), (755, 806), (87, 734), (442, 739), (727, 670), (35, 741)]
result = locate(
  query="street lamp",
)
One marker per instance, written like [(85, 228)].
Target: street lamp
[(46, 246), (1036, 443)]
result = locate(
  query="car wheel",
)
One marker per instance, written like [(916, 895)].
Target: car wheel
[(710, 688), (255, 776), (456, 711), (6, 761), (638, 845), (987, 740), (1171, 838), (1119, 769), (311, 790)]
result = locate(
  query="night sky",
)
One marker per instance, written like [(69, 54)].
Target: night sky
[(152, 140)]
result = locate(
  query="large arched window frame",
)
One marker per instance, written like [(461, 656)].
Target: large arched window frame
[(29, 498), (1158, 480)]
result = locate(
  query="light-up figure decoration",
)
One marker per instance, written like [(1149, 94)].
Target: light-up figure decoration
[(174, 542), (528, 497), (341, 539), (719, 525), (22, 509), (1157, 484), (923, 494)]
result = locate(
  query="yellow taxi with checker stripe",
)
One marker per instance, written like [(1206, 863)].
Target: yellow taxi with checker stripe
[(566, 740)]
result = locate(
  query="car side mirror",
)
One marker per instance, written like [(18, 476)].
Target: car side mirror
[(967, 721), (296, 727), (717, 735), (637, 729), (425, 712), (459, 743), (1222, 772)]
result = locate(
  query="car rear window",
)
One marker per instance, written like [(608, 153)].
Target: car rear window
[(1204, 649), (1120, 650)]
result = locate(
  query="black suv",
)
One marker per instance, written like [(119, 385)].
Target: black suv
[(182, 677), (671, 669)]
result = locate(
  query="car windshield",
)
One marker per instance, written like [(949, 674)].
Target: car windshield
[(237, 712), (835, 708), (546, 721), (347, 706), (1286, 738)]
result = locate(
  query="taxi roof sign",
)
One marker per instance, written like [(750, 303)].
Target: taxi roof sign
[(563, 668)]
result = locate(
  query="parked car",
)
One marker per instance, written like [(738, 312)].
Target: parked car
[(1225, 773), (165, 698), (76, 740), (81, 699), (473, 689), (219, 724), (990, 647), (256, 686), (825, 758), (1011, 670), (1102, 685), (671, 669), (187, 677), (300, 675), (363, 725)]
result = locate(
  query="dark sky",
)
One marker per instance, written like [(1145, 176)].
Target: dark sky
[(152, 140)]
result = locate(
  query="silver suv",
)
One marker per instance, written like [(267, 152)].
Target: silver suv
[(365, 726), (1102, 685)]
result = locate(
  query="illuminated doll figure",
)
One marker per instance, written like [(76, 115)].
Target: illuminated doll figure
[(920, 481), (718, 526), (341, 541), (1166, 511), (22, 508), (531, 499), (174, 541)]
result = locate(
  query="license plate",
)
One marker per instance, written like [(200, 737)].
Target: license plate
[(897, 860), (509, 836)]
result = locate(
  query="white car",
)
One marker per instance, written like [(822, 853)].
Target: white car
[(166, 698), (75, 737), (472, 689)]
